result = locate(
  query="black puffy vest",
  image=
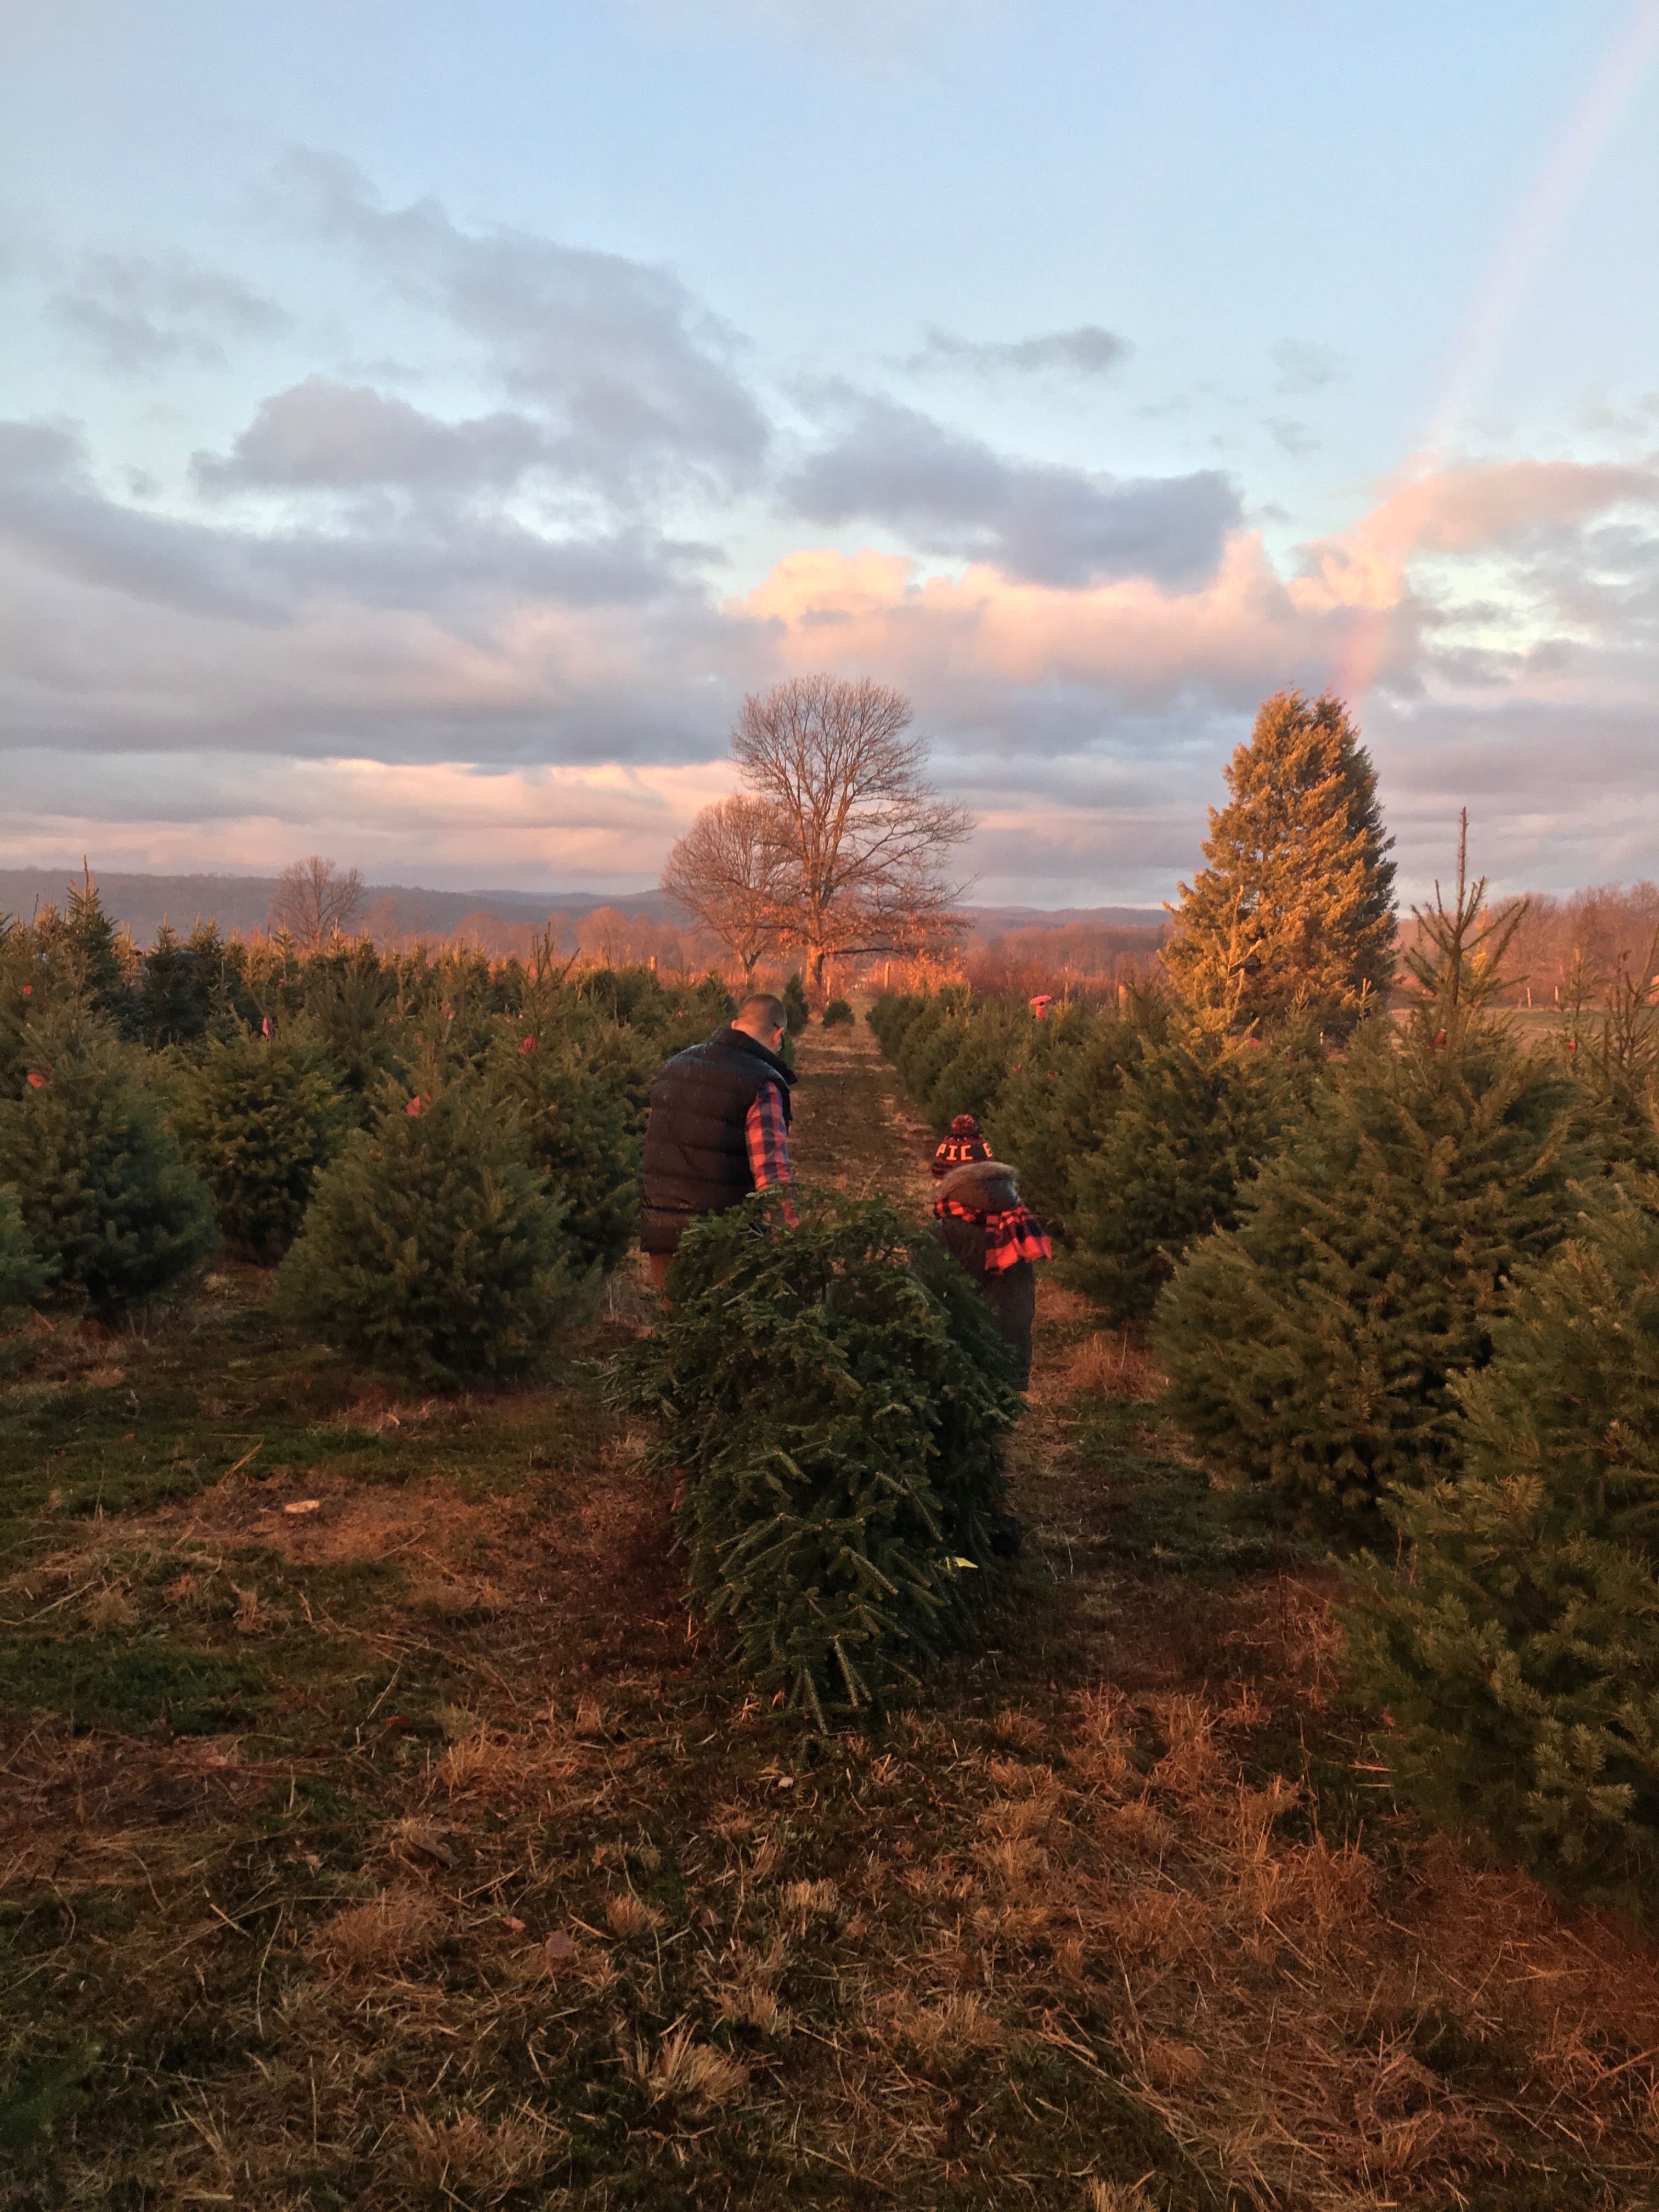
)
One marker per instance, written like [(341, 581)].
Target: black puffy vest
[(696, 1150)]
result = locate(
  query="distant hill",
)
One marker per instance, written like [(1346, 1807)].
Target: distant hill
[(239, 903)]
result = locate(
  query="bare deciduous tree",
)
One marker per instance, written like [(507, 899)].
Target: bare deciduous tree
[(862, 835), (314, 899), (728, 870)]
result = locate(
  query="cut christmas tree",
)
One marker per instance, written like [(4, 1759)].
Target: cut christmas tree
[(833, 1399)]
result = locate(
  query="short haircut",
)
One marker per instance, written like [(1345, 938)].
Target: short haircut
[(765, 1011)]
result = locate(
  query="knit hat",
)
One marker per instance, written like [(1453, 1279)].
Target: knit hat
[(964, 1144)]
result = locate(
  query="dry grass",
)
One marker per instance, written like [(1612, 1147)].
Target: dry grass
[(388, 1931), (1115, 1361), (486, 2160), (680, 2069)]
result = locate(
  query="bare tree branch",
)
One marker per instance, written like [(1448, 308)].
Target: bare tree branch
[(862, 835), (729, 869), (314, 901)]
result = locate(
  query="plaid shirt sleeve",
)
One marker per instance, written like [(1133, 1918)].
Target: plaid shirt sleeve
[(768, 1144)]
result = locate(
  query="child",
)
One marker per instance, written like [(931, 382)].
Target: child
[(995, 1237)]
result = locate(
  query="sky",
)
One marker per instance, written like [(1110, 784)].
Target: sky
[(420, 426)]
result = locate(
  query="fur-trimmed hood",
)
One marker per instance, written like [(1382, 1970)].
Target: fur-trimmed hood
[(974, 1184)]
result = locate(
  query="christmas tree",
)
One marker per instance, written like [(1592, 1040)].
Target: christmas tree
[(1292, 919), (796, 1011), (1193, 1123), (578, 1132), (431, 1247), (23, 1273), (1059, 1103), (112, 1205), (1317, 1347), (260, 1116), (97, 958), (351, 1004), (1612, 1056), (1517, 1649), (833, 1399)]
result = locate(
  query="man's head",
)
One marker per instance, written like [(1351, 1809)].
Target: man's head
[(763, 1017)]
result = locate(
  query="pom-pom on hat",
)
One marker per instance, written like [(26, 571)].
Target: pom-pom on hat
[(964, 1145)]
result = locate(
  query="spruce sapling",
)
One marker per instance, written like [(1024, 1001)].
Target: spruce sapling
[(1516, 1647), (113, 1207), (431, 1246), (261, 1116)]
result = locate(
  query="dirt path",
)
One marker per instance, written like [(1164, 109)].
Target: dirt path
[(853, 1127)]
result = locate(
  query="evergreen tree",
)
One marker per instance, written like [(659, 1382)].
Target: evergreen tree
[(1612, 1056), (838, 1014), (1292, 919), (173, 1003), (1517, 1649), (261, 1116), (1192, 1125), (23, 1273), (1317, 1347), (431, 1247), (110, 1204), (1057, 1104), (351, 1008), (833, 1399), (578, 1133), (100, 956), (797, 1014)]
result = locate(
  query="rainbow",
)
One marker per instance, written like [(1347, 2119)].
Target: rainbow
[(1594, 120)]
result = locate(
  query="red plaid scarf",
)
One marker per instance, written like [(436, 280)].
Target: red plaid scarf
[(1010, 1236)]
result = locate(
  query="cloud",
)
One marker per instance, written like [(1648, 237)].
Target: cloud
[(51, 512), (952, 495), (324, 436), (1086, 350), (978, 641), (1305, 367), (1478, 506), (462, 570), (599, 825), (403, 648), (134, 313), (1293, 437), (636, 379)]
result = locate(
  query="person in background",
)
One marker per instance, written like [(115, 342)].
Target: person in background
[(984, 1226), (718, 1128)]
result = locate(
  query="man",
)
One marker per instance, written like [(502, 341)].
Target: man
[(718, 1128)]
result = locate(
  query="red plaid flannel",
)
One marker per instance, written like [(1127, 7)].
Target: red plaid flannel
[(1010, 1236), (767, 1137)]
